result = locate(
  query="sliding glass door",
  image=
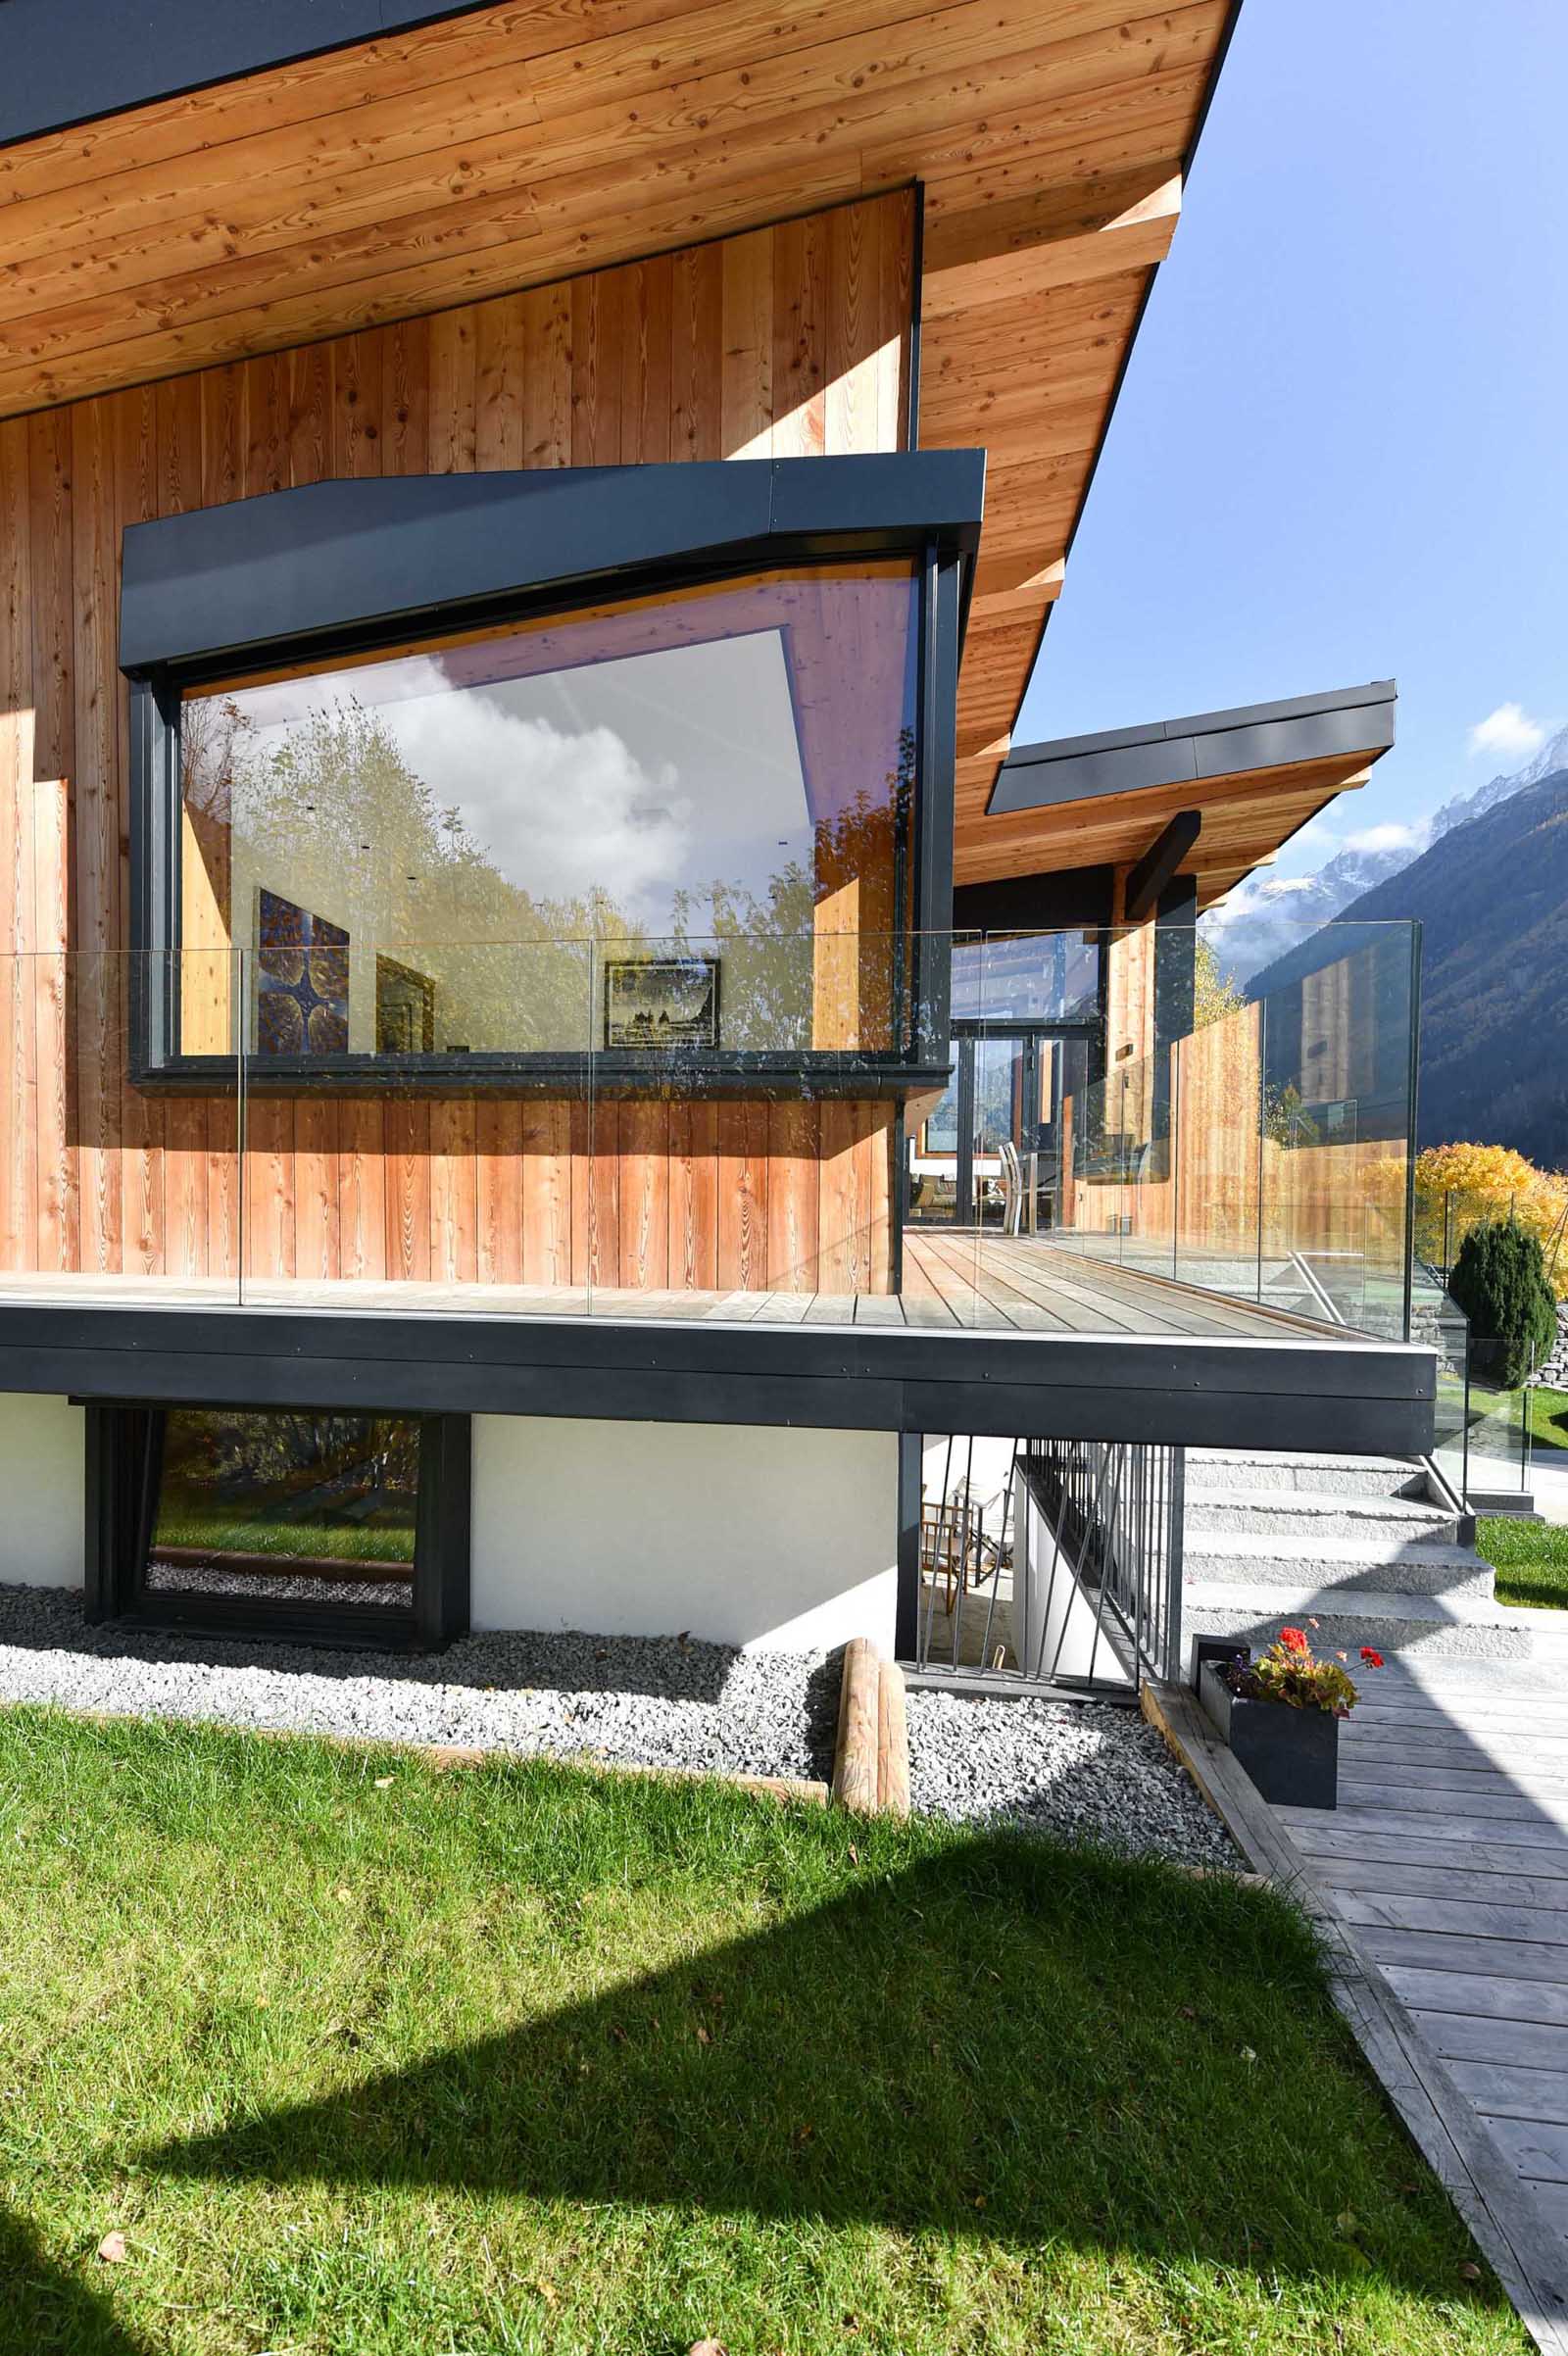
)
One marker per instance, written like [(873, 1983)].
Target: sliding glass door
[(989, 1152)]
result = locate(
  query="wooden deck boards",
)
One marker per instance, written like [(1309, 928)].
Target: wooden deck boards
[(1447, 1856), (952, 1281)]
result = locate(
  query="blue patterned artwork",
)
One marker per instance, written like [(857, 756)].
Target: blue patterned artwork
[(302, 988)]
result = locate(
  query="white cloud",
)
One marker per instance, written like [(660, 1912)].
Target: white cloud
[(556, 811), (1509, 732), (1392, 836)]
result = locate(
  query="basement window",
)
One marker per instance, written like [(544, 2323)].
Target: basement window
[(303, 1523)]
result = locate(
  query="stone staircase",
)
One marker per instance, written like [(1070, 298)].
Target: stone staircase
[(1358, 1544)]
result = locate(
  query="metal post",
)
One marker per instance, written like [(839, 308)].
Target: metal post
[(1175, 1520)]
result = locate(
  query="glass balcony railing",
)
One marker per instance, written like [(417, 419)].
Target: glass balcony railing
[(820, 1122), (1263, 1152)]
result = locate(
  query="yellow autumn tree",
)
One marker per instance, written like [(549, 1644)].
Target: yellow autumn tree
[(1459, 1185), (1215, 993)]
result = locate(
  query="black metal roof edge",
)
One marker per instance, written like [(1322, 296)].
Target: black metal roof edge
[(329, 558), (117, 55), (1207, 744)]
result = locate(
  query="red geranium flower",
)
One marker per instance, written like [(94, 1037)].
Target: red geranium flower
[(1294, 1640), (1373, 1660)]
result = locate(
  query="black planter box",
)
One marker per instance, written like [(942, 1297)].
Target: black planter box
[(1293, 1756)]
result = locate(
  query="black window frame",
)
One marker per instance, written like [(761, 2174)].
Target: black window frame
[(345, 568), (118, 1528)]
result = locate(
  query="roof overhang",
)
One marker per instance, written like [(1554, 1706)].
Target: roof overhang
[(509, 146), (1252, 776)]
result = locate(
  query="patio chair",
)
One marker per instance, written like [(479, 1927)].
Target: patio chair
[(1012, 1189)]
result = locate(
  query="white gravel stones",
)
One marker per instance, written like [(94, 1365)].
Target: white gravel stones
[(1082, 1770), (1078, 1770), (656, 1701)]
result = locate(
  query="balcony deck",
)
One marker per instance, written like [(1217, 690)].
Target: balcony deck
[(989, 1333), (955, 1280)]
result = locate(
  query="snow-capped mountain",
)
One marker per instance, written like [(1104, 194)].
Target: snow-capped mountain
[(1267, 915)]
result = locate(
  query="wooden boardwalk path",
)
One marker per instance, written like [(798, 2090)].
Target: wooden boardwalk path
[(1449, 1857), (1440, 1885)]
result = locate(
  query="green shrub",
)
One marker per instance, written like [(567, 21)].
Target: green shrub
[(1499, 1281)]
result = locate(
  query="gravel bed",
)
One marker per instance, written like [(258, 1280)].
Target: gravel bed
[(1082, 1770), (653, 1702)]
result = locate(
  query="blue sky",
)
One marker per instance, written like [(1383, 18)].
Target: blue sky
[(1342, 449)]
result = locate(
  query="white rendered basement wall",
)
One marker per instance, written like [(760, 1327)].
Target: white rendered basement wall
[(43, 1445), (739, 1535)]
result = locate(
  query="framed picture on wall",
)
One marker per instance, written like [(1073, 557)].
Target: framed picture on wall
[(302, 980), (662, 1002), (404, 1009)]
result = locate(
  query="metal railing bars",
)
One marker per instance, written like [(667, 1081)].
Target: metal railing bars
[(1080, 1550)]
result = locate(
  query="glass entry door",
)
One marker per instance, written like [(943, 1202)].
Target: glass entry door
[(989, 1152)]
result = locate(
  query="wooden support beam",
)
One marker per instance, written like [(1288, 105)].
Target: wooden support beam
[(1041, 588), (1159, 862), (1003, 253)]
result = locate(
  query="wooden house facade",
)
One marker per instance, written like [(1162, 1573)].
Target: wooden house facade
[(524, 528)]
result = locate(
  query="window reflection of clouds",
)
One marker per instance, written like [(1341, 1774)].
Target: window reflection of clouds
[(636, 776)]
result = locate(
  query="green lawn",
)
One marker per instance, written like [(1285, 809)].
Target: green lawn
[(1548, 1416), (322, 1541), (530, 2059), (1497, 1417), (1531, 1558)]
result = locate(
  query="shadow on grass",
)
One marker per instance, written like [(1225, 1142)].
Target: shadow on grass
[(45, 2308), (1005, 2040)]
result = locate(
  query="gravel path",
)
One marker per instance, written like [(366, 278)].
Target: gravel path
[(1074, 1769)]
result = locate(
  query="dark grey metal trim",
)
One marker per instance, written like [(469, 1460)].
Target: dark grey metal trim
[(907, 1603), (937, 704), (771, 1077), (1373, 1397), (117, 53), (1208, 744), (330, 560)]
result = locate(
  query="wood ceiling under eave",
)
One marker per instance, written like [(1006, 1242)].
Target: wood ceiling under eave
[(514, 145), (1245, 817)]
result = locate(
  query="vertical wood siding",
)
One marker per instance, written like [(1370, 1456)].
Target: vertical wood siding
[(790, 341)]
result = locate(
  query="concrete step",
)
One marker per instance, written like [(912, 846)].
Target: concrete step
[(1323, 1474), (1328, 1563), (1459, 1627), (1308, 1514)]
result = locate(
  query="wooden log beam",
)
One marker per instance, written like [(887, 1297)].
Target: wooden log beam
[(854, 1760), (1160, 861), (892, 1744)]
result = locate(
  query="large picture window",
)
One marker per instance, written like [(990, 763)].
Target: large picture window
[(451, 848), (694, 803)]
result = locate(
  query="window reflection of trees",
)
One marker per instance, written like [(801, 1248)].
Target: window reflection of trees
[(408, 874)]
